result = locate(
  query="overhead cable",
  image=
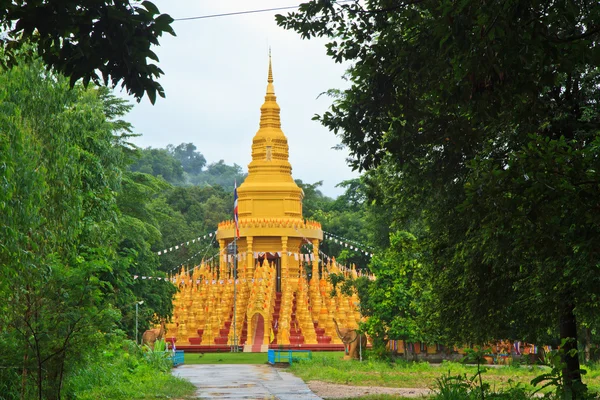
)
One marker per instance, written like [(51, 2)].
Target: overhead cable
[(246, 12)]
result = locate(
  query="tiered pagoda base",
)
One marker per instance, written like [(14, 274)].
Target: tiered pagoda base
[(227, 348), (301, 314)]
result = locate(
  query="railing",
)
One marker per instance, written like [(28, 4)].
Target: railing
[(177, 357), (289, 356)]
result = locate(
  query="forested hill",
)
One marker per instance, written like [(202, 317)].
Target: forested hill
[(184, 165)]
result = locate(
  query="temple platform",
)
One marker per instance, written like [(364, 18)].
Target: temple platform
[(227, 348), (268, 279)]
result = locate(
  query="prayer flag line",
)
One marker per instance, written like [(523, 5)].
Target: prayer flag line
[(187, 243)]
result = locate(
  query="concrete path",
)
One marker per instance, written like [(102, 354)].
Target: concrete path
[(234, 381)]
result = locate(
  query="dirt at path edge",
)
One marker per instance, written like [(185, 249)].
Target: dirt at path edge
[(337, 391)]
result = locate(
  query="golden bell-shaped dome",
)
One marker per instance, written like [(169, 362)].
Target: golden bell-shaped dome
[(269, 189)]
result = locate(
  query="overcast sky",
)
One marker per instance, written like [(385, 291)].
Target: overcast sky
[(215, 81)]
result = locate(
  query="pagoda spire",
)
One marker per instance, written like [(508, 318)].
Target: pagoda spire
[(270, 77), (269, 112), (269, 189)]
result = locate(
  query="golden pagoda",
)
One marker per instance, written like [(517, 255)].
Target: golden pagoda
[(270, 286)]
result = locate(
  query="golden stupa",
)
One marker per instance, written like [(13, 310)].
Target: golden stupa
[(270, 286)]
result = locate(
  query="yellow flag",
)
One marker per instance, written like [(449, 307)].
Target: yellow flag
[(272, 336)]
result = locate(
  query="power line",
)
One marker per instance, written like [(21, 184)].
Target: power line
[(247, 12), (235, 13)]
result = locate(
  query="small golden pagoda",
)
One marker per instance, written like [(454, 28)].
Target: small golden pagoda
[(270, 286)]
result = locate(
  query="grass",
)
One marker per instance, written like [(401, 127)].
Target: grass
[(330, 368), (121, 374), (225, 358), (142, 383), (378, 397)]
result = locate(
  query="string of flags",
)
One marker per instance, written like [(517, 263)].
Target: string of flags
[(351, 244), (198, 281), (304, 257), (230, 258), (297, 256), (205, 251), (156, 278), (331, 236), (191, 258), (301, 257), (187, 243), (325, 258), (343, 240)]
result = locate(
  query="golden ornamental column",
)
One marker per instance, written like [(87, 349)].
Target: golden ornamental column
[(315, 263), (284, 257), (250, 255), (222, 254)]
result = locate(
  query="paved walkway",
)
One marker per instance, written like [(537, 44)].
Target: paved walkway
[(234, 381)]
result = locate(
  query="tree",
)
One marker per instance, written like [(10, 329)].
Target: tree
[(183, 165), (60, 172), (393, 301), (98, 41), (159, 162), (191, 160), (313, 199), (220, 174), (189, 212), (193, 208), (488, 115), (139, 236), (344, 217)]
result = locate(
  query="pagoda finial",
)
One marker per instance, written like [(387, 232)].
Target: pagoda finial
[(270, 77), (270, 87), (269, 112)]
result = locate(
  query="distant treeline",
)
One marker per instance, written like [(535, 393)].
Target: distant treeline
[(184, 165)]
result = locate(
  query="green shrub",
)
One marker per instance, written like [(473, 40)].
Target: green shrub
[(158, 358), (9, 388), (460, 387), (453, 388), (122, 371)]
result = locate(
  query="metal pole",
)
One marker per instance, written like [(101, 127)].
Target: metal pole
[(235, 261), (136, 323), (360, 346)]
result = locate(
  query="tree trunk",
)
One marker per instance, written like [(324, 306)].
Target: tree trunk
[(61, 376), (573, 386), (588, 344), (40, 373), (24, 375)]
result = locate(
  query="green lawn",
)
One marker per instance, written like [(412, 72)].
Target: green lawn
[(380, 397), (244, 358), (225, 358), (330, 368)]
